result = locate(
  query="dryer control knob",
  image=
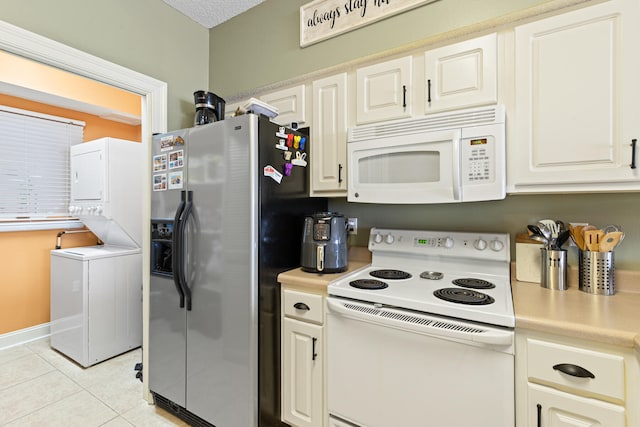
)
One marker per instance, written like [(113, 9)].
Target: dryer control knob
[(480, 244)]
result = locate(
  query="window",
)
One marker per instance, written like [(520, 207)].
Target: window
[(34, 164)]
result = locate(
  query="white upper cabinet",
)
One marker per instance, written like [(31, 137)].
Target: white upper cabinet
[(328, 147), (576, 101), (461, 75), (383, 91), (290, 103)]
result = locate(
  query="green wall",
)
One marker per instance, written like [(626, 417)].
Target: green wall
[(261, 47), (147, 36)]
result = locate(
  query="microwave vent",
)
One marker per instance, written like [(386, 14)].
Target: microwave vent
[(449, 120)]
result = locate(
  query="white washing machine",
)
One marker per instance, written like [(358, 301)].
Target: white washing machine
[(96, 302)]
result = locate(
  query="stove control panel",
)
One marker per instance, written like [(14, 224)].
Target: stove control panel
[(489, 246)]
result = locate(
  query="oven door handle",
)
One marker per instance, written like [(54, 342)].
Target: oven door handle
[(425, 324)]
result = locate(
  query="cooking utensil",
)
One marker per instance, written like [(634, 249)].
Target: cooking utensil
[(610, 240), (576, 235), (563, 236), (536, 234), (592, 239), (544, 229)]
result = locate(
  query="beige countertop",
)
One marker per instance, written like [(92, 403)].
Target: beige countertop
[(609, 319)]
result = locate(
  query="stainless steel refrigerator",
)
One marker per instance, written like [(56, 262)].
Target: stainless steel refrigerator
[(227, 211)]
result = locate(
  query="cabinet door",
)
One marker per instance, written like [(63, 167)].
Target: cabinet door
[(576, 96), (461, 75), (548, 407), (302, 373), (328, 149), (290, 103), (383, 91)]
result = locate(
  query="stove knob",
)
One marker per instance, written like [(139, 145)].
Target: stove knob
[(448, 242), (377, 238), (496, 245), (480, 244), (389, 239)]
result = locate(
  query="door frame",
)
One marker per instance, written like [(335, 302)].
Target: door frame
[(153, 94)]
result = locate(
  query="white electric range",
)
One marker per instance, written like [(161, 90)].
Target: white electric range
[(425, 328)]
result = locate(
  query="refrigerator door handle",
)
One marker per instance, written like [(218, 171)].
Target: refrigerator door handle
[(176, 264), (184, 218)]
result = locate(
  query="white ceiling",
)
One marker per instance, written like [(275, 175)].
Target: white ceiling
[(210, 13)]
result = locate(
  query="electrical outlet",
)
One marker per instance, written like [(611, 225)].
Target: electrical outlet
[(352, 225)]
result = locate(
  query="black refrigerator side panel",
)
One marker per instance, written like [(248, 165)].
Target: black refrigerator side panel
[(283, 207)]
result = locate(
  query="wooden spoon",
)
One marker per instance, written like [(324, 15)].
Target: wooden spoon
[(576, 235), (592, 239), (610, 241)]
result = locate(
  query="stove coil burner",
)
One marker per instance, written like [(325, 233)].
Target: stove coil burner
[(390, 274), (431, 275), (371, 284), (473, 283), (463, 296)]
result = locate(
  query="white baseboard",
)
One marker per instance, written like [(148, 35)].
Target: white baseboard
[(25, 335)]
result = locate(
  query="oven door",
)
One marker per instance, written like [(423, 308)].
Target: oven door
[(390, 367), (414, 168)]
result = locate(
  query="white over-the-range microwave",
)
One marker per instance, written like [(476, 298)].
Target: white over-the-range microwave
[(457, 156)]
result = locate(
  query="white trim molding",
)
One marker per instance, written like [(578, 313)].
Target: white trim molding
[(22, 336)]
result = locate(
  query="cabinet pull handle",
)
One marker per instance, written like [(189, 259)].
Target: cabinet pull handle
[(301, 306), (313, 349), (429, 91), (539, 415), (339, 173), (404, 96), (573, 370), (633, 153)]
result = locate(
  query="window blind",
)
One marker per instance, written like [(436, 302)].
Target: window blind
[(34, 163)]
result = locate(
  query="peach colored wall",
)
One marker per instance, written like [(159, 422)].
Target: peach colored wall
[(24, 282), (95, 128)]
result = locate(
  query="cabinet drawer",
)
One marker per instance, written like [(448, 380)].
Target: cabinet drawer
[(545, 362), (303, 306)]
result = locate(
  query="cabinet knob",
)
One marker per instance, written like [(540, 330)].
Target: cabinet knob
[(301, 306)]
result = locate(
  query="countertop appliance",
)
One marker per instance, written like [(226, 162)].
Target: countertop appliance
[(226, 220), (96, 291), (451, 157), (424, 334), (324, 243)]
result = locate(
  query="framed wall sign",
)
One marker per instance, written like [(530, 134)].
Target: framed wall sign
[(323, 19)]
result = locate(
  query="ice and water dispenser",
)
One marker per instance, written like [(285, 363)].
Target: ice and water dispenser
[(161, 247)]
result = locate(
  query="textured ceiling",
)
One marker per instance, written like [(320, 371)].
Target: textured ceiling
[(210, 13)]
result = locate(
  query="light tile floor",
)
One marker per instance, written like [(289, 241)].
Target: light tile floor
[(40, 387)]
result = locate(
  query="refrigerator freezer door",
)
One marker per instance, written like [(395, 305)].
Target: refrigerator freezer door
[(167, 320), (221, 242)]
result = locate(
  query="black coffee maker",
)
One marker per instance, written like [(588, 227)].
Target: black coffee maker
[(209, 107)]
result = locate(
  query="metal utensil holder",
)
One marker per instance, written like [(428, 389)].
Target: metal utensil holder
[(553, 273), (595, 272)]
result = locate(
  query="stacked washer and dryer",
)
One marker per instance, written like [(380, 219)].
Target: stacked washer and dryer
[(96, 291)]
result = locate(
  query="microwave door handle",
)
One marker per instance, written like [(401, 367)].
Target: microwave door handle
[(456, 165)]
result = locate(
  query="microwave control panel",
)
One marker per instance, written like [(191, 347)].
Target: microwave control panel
[(478, 162)]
